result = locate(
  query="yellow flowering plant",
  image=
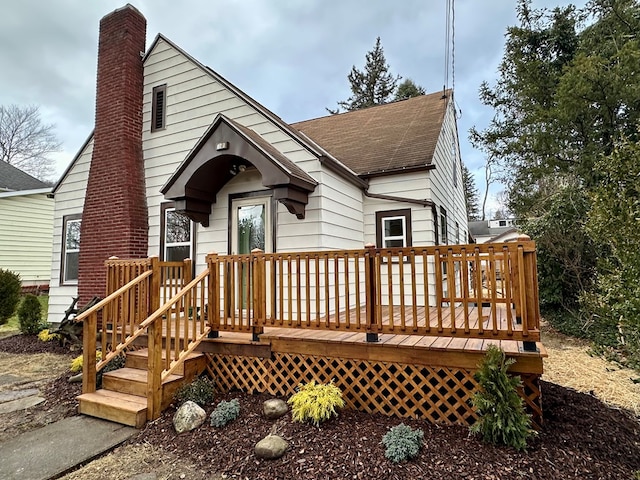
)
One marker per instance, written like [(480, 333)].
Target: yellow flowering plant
[(315, 402)]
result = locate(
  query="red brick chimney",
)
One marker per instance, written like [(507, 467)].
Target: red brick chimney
[(114, 219)]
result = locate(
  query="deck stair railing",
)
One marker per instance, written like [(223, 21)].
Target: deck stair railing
[(173, 329)]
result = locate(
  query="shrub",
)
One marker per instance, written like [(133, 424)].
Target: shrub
[(402, 443), (200, 391), (116, 362), (10, 286), (30, 315), (45, 336), (503, 419), (315, 402), (225, 412), (76, 363)]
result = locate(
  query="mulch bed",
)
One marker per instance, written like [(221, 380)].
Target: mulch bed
[(30, 344), (582, 438)]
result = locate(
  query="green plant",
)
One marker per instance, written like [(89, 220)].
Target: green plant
[(503, 419), (200, 391), (402, 443), (315, 402), (225, 412), (30, 315), (10, 286)]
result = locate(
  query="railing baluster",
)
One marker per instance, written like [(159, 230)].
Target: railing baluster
[(451, 286), (402, 303), (308, 287), (464, 267)]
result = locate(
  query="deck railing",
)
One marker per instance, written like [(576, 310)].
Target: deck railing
[(484, 290), (136, 289)]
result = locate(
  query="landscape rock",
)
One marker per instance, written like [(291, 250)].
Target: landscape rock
[(188, 417), (271, 447), (76, 378), (16, 394), (20, 404), (274, 408)]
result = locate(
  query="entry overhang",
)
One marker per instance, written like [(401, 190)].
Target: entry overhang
[(225, 147)]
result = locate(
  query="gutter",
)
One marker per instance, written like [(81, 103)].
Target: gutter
[(393, 198)]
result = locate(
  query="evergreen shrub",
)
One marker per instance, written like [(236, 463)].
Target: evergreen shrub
[(30, 315), (225, 412), (402, 443), (10, 286), (315, 402)]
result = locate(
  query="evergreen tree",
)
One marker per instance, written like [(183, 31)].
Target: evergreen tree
[(470, 194), (408, 89), (372, 86)]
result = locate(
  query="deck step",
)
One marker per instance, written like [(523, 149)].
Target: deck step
[(139, 359), (132, 381), (114, 406)]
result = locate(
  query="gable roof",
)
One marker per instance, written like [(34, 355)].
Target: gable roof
[(13, 179), (391, 138)]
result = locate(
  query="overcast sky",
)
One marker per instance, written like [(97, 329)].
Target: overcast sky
[(293, 56)]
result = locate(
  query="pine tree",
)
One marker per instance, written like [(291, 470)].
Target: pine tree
[(470, 194), (408, 89), (372, 86)]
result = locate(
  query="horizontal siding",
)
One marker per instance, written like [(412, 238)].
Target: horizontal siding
[(409, 185), (445, 192), (26, 226), (69, 200), (342, 214), (193, 101)]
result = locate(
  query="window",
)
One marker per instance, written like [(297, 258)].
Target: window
[(393, 228), (457, 233), (176, 234), (70, 249), (158, 107), (503, 223), (444, 236)]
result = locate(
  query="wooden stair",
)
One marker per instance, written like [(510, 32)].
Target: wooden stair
[(122, 398)]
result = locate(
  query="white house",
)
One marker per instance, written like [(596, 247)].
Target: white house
[(26, 226), (201, 167)]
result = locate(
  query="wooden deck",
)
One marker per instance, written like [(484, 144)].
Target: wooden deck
[(405, 341)]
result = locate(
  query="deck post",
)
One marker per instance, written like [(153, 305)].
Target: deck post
[(154, 294), (213, 295), (259, 282), (154, 369), (371, 280), (89, 332)]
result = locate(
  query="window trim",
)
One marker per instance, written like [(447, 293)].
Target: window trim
[(444, 226), (382, 215), (63, 251), (154, 107), (164, 207)]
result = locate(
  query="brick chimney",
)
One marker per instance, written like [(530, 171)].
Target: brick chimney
[(114, 219)]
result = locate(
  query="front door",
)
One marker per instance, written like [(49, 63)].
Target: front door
[(250, 229), (250, 225)]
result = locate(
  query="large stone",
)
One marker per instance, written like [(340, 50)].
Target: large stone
[(274, 408), (188, 417), (11, 395), (20, 404), (271, 447)]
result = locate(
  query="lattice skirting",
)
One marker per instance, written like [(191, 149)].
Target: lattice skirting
[(437, 394)]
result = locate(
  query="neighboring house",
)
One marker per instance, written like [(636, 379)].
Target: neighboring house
[(26, 226), (189, 164), (494, 231)]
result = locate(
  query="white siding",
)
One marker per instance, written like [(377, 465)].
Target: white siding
[(445, 191), (194, 98), (69, 200), (26, 225), (408, 185)]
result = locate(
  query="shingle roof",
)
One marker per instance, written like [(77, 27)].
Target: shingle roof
[(14, 179), (384, 138)]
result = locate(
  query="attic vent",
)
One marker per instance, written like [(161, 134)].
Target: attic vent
[(158, 108)]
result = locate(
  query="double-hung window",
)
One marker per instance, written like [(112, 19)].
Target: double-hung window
[(70, 249), (176, 234), (393, 228)]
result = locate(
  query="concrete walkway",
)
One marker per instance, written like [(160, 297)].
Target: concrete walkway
[(52, 450)]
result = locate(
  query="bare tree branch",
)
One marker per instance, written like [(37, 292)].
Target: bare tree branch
[(25, 142)]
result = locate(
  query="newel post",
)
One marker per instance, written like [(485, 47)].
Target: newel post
[(154, 291), (531, 307), (89, 332), (259, 282), (371, 279), (213, 295)]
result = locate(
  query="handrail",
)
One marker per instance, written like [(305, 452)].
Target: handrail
[(481, 291), (105, 301)]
